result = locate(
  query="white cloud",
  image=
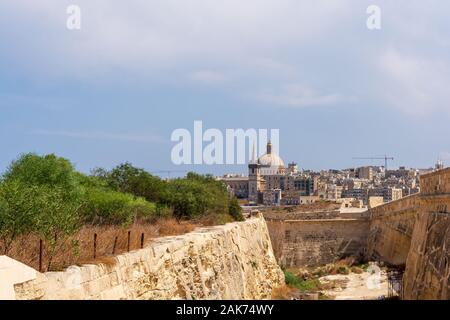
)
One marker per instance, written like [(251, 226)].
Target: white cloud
[(256, 43), (298, 96), (140, 35), (101, 135), (415, 84)]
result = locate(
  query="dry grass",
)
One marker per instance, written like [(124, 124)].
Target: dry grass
[(111, 240), (283, 293), (172, 227)]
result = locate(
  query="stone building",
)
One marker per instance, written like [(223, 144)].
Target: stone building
[(272, 183), (237, 185)]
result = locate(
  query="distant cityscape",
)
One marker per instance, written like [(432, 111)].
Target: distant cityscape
[(269, 182)]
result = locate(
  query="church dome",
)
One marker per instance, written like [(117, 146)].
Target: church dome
[(270, 159)]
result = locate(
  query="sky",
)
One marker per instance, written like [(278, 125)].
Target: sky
[(137, 70)]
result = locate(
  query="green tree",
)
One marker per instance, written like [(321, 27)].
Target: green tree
[(50, 170), (197, 195), (40, 194), (104, 206), (56, 218), (129, 179), (17, 212), (235, 210)]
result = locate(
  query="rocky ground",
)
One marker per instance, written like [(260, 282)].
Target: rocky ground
[(364, 286), (344, 280)]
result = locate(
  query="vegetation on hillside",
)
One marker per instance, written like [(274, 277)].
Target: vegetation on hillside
[(45, 196)]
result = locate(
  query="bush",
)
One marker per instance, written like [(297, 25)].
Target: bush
[(343, 270), (301, 284), (110, 207), (17, 212), (44, 195), (39, 195), (197, 195), (191, 197), (128, 179), (235, 210), (49, 170)]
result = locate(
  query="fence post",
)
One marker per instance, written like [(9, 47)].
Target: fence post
[(129, 238), (115, 245), (40, 255), (95, 245), (142, 240)]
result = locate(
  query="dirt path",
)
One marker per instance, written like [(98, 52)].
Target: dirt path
[(364, 286)]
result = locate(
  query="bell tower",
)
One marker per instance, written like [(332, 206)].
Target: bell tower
[(254, 178)]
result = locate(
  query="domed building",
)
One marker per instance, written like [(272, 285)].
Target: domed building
[(270, 182), (271, 163)]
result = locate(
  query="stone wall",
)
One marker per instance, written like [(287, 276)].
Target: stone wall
[(391, 228), (414, 232), (437, 182), (427, 274), (316, 242), (234, 261)]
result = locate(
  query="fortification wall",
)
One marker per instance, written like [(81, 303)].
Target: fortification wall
[(234, 261), (316, 242), (436, 183), (415, 232), (427, 274), (391, 228)]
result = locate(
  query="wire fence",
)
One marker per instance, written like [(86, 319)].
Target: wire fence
[(89, 245)]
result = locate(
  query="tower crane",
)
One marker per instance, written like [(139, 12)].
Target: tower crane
[(385, 158)]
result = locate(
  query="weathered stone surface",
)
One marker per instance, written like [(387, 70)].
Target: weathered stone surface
[(427, 274), (415, 232), (12, 272), (234, 261), (391, 229), (317, 242)]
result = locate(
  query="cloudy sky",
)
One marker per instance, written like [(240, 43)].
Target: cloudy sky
[(137, 70)]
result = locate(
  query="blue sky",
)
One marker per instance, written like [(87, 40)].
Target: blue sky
[(137, 70)]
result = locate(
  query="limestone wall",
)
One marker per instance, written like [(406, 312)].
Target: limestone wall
[(427, 274), (415, 232), (437, 182), (234, 261), (317, 242), (391, 228)]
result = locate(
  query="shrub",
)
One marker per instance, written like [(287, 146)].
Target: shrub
[(17, 212), (103, 206), (129, 179), (39, 195), (235, 210), (48, 170), (301, 284), (197, 195), (343, 270)]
